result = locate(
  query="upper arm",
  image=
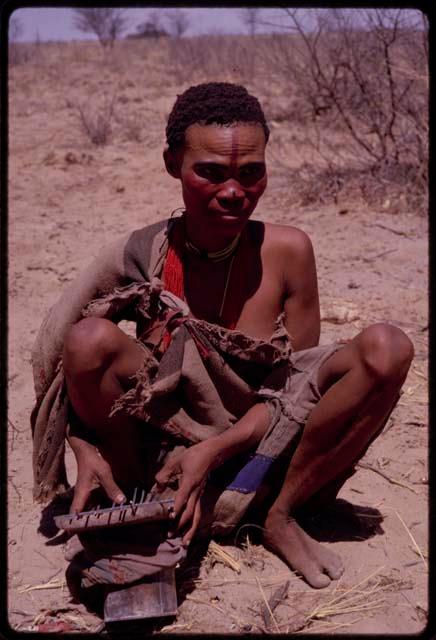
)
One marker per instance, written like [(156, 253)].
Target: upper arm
[(301, 301)]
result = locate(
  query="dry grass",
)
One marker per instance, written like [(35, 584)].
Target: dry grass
[(216, 553), (351, 600), (51, 584), (97, 121), (416, 547), (369, 467), (326, 169), (324, 614)]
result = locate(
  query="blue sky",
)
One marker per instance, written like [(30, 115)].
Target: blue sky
[(57, 23)]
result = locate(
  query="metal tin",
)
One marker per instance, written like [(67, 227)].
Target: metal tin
[(154, 597)]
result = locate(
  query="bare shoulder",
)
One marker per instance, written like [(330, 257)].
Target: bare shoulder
[(286, 240), (287, 251)]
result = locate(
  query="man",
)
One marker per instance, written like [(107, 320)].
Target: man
[(242, 275)]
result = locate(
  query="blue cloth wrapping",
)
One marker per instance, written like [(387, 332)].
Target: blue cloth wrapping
[(250, 477)]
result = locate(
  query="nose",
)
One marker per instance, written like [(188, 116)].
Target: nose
[(231, 191)]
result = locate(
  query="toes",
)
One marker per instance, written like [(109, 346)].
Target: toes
[(335, 572), (315, 577), (334, 568)]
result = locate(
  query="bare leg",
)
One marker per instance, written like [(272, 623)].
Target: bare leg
[(99, 361), (359, 384)]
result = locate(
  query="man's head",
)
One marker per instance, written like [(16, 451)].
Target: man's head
[(216, 137)]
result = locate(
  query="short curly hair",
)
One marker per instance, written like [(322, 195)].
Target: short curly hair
[(212, 103)]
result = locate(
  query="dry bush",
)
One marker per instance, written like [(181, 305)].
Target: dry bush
[(360, 81), (212, 57), (177, 21), (18, 52), (115, 117), (252, 19), (106, 23), (312, 186), (96, 120)]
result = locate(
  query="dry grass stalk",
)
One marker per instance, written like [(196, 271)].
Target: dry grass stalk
[(419, 374), (268, 608), (415, 544), (279, 595), (51, 584), (414, 401), (176, 627), (350, 600), (265, 582), (365, 465), (218, 554), (418, 553), (325, 626), (77, 620), (40, 617)]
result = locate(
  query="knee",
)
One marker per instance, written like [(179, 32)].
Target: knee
[(386, 352), (89, 345)]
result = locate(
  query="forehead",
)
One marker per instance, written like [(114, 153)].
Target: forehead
[(211, 141)]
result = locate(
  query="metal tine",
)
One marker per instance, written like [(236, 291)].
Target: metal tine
[(150, 495), (120, 508), (142, 495), (132, 502)]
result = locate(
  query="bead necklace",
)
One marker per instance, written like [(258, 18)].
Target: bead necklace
[(213, 256)]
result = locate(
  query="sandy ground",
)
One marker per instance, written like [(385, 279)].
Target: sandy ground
[(67, 198)]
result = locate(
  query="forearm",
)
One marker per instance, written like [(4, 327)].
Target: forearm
[(243, 435), (79, 439)]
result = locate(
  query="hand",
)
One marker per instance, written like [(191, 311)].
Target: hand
[(92, 471), (190, 468)]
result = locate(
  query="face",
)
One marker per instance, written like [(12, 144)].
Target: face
[(223, 174)]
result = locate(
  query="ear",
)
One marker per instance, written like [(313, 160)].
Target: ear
[(172, 161)]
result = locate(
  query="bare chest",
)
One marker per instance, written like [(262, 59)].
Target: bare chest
[(254, 290)]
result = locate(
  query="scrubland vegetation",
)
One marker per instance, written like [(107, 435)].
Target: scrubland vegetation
[(352, 93)]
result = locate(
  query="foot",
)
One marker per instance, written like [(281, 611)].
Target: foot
[(284, 537)]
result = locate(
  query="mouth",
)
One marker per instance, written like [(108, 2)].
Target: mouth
[(234, 212), (229, 218)]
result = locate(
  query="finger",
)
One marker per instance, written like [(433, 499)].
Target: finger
[(81, 495), (110, 486), (186, 487), (195, 522), (183, 516), (188, 513), (163, 476)]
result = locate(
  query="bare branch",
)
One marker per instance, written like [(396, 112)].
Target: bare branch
[(178, 22), (251, 16), (15, 29), (107, 24)]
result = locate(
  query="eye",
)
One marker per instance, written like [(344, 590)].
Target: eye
[(252, 171), (211, 172)]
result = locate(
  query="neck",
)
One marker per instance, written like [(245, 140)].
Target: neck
[(213, 256), (206, 242)]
